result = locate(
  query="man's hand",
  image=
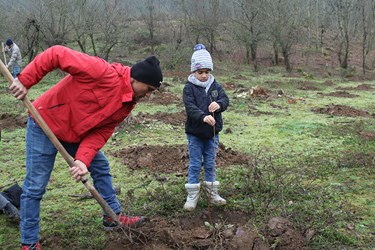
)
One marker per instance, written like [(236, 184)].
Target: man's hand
[(17, 89), (79, 170), (210, 120), (214, 106)]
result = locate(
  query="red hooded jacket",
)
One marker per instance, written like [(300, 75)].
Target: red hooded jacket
[(87, 104)]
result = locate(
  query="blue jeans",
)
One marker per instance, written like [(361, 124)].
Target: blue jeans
[(202, 151), (40, 158), (16, 71)]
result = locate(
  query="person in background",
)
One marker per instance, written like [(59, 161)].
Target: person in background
[(204, 101), (82, 110), (15, 58)]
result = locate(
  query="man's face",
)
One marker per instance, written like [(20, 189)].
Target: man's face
[(202, 74), (141, 89)]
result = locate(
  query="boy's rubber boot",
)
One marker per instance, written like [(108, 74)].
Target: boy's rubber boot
[(8, 208), (192, 197), (211, 188)]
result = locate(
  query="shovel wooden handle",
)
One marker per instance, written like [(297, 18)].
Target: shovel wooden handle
[(68, 158), (3, 50)]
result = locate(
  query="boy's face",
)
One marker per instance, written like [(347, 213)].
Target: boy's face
[(141, 89), (202, 74)]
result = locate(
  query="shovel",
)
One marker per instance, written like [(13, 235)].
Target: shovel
[(3, 50), (68, 158)]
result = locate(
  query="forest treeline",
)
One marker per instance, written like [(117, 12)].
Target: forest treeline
[(239, 30)]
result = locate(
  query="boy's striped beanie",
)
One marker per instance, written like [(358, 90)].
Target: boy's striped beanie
[(201, 58)]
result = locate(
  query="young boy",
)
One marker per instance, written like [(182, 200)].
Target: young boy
[(204, 100)]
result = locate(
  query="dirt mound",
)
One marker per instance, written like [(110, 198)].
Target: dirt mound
[(229, 86), (341, 110), (282, 233), (343, 94), (162, 97), (359, 87), (172, 159), (176, 119), (194, 232), (12, 122), (307, 85), (367, 135), (258, 91)]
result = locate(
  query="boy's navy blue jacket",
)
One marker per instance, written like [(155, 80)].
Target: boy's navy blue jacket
[(196, 102)]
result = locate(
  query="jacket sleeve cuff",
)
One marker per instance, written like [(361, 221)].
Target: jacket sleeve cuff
[(85, 158)]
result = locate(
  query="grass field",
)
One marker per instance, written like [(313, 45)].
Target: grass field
[(314, 168)]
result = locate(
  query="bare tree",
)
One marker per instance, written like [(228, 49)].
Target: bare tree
[(98, 25), (285, 22), (12, 18), (149, 16), (248, 27), (204, 19), (367, 9), (321, 14), (82, 20), (346, 27), (53, 19), (32, 34)]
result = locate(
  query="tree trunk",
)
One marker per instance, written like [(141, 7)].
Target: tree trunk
[(276, 54), (285, 52), (253, 49)]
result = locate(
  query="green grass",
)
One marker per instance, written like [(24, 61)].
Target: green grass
[(315, 169)]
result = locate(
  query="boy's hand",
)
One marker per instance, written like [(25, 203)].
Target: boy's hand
[(209, 120), (17, 89), (214, 106), (79, 170)]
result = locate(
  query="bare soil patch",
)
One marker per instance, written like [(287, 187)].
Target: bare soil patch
[(232, 230), (367, 135), (364, 87), (172, 159), (307, 85), (12, 122), (342, 94), (229, 86), (341, 110), (162, 97), (176, 119)]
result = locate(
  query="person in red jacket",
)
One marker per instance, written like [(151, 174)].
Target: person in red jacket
[(82, 110)]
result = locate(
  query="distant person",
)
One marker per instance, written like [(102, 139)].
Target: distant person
[(204, 100), (15, 58), (82, 110)]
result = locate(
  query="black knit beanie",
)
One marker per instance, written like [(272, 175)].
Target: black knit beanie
[(9, 42), (148, 71)]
